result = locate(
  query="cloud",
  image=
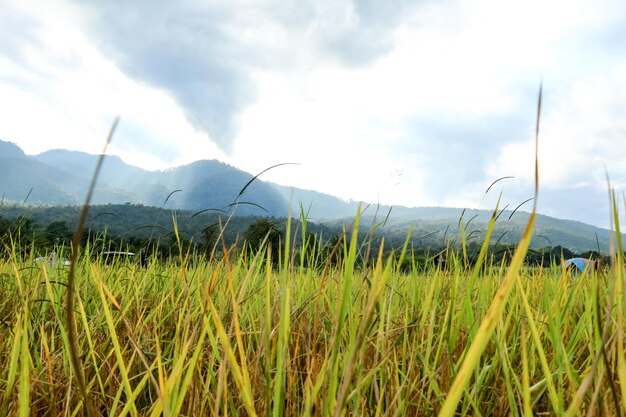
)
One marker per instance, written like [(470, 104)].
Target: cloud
[(586, 203), (582, 131), (357, 33), (58, 90), (205, 54), (185, 49), (19, 38), (582, 138), (457, 153)]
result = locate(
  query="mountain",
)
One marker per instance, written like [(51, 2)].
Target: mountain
[(114, 171), (61, 177), (215, 185), (319, 206), (138, 183), (25, 179), (10, 150)]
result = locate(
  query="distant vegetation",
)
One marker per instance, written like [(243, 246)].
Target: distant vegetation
[(136, 228), (29, 185)]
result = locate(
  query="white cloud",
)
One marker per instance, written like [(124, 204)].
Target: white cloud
[(582, 131), (66, 94), (320, 126)]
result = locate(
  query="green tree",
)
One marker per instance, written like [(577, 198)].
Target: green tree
[(332, 251), (23, 235), (210, 235), (5, 237), (560, 253), (58, 233), (257, 232)]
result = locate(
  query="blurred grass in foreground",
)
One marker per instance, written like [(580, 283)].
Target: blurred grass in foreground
[(237, 337)]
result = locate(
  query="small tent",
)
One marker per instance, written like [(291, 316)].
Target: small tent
[(578, 264)]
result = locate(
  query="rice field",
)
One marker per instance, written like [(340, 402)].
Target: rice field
[(242, 334), (235, 336)]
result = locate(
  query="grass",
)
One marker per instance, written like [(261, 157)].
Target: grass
[(236, 337)]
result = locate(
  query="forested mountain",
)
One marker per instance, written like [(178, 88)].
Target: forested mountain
[(10, 150), (197, 186), (61, 178), (28, 180), (447, 226), (215, 185), (319, 206), (114, 171)]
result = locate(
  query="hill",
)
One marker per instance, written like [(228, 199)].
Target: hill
[(61, 178)]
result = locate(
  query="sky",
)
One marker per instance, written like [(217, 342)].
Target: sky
[(415, 103)]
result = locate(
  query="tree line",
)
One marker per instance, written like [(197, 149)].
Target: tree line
[(25, 238)]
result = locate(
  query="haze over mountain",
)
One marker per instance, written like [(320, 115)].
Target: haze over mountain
[(61, 177)]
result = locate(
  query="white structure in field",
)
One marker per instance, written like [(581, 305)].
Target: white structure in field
[(52, 260)]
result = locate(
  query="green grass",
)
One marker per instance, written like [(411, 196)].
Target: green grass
[(244, 335), (236, 337)]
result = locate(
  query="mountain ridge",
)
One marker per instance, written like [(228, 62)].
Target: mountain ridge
[(61, 177)]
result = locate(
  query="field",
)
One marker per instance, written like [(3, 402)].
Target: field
[(235, 335)]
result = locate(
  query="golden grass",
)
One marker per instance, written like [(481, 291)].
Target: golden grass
[(239, 338)]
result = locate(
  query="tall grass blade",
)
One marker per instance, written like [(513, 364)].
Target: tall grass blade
[(556, 401), (245, 392), (485, 246), (171, 194), (378, 284), (14, 357), (23, 399), (619, 309), (472, 358), (496, 181), (282, 352), (520, 205), (245, 187), (525, 373), (346, 300), (71, 320), (115, 340)]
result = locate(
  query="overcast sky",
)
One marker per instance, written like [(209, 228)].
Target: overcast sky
[(418, 103)]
